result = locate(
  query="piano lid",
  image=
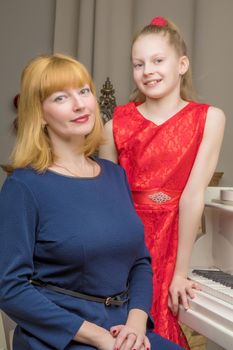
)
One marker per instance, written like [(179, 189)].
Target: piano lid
[(211, 311), (215, 247)]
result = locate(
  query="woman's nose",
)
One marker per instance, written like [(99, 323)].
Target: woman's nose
[(78, 103)]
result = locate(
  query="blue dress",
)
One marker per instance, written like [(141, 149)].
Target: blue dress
[(80, 234)]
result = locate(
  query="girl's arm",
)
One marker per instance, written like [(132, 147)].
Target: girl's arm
[(108, 149), (192, 204)]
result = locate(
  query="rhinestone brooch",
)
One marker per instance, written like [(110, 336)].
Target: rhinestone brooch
[(159, 197)]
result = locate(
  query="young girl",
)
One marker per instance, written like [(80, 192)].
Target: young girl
[(169, 146)]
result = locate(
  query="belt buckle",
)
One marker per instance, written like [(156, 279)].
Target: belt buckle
[(108, 301), (159, 197)]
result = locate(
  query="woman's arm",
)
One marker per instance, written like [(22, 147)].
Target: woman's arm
[(192, 204), (96, 336), (132, 335), (108, 149)]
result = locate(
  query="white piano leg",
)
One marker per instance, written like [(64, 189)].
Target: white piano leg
[(212, 346)]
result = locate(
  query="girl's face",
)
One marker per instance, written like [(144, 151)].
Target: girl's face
[(70, 113), (157, 69)]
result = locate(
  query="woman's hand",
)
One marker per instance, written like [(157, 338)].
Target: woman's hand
[(128, 338), (107, 343), (96, 336), (180, 289)]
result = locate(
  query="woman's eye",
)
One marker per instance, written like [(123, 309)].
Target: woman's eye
[(85, 91), (60, 98)]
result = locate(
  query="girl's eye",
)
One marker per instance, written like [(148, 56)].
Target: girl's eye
[(158, 60), (85, 91), (137, 65)]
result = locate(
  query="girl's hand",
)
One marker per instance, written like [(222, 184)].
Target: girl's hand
[(179, 290), (128, 338)]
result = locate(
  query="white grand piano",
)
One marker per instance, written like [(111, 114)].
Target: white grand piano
[(211, 311)]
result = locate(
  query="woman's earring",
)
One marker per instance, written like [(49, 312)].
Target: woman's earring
[(44, 126)]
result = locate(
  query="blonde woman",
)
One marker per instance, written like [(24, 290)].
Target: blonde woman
[(74, 270)]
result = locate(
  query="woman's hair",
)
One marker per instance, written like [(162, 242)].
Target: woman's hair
[(43, 76), (169, 30)]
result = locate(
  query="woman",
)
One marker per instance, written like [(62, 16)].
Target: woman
[(74, 269)]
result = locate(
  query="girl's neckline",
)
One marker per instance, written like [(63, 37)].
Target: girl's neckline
[(187, 105), (79, 177)]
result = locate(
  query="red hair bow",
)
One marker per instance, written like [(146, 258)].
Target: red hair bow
[(158, 21)]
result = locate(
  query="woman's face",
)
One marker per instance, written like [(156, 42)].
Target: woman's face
[(70, 113)]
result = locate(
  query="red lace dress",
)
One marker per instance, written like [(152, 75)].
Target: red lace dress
[(158, 160)]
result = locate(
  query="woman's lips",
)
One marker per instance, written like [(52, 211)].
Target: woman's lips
[(81, 119)]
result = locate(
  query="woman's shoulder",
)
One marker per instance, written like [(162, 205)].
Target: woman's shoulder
[(20, 184), (108, 165), (105, 163), (23, 177), (24, 174)]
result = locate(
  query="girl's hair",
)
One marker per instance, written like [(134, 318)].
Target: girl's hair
[(169, 30), (41, 77)]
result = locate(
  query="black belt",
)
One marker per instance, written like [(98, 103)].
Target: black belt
[(116, 300)]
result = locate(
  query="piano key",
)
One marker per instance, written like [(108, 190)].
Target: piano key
[(213, 288), (217, 276)]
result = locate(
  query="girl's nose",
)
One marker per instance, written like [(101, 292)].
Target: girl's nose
[(148, 69)]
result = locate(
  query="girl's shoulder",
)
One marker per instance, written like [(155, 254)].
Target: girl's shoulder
[(216, 117), (127, 108), (197, 111), (198, 105), (213, 113)]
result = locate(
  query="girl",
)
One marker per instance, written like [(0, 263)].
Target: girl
[(169, 146), (69, 275)]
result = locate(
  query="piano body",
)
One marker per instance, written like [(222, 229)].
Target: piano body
[(211, 311)]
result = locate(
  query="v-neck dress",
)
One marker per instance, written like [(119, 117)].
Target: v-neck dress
[(80, 234), (158, 160)]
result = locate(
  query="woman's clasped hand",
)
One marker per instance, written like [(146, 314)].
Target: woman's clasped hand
[(129, 338)]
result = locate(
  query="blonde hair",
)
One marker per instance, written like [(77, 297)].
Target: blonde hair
[(171, 31), (41, 77)]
